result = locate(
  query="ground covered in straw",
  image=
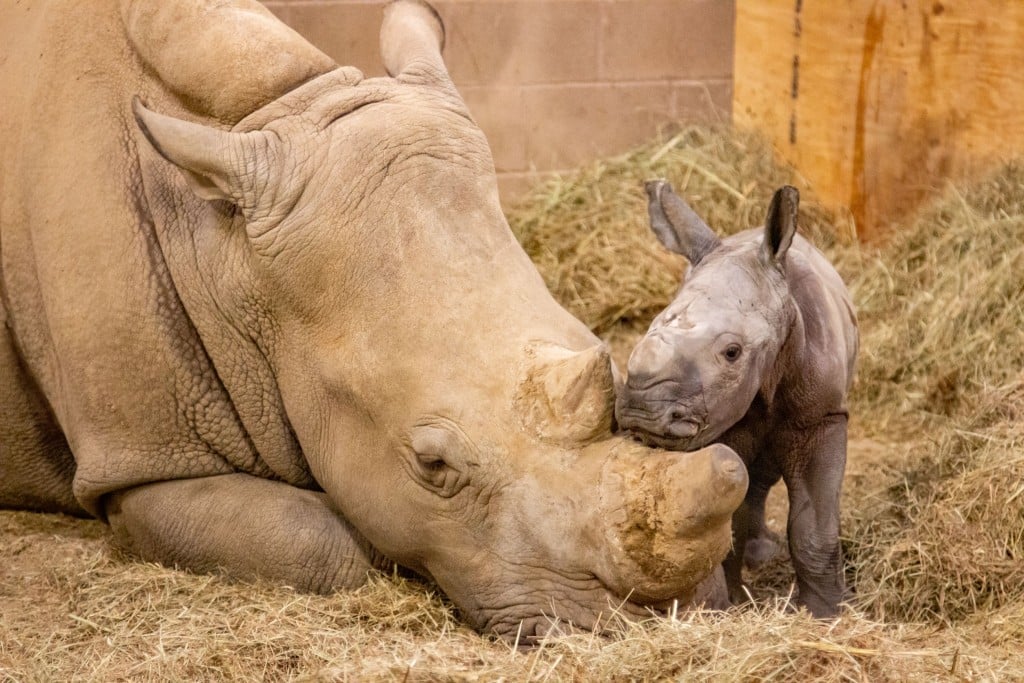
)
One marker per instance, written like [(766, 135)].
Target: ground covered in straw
[(933, 508)]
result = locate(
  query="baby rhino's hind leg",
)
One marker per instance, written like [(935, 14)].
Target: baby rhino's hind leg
[(750, 533), (762, 544), (36, 465)]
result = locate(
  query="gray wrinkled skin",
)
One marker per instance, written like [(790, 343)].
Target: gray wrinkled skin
[(265, 316), (757, 352)]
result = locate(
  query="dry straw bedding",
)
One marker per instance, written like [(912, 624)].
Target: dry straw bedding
[(933, 509)]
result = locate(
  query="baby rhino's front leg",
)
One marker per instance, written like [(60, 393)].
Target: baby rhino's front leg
[(813, 461), (761, 544), (245, 526)]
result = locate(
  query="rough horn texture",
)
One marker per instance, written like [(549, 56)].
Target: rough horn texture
[(568, 397)]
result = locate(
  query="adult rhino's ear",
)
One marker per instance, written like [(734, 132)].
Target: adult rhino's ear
[(411, 40), (676, 225), (217, 164), (780, 225)]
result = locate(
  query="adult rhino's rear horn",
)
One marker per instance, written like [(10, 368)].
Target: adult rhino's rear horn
[(411, 40), (568, 397)]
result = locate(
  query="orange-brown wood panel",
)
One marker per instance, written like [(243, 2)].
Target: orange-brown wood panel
[(878, 102)]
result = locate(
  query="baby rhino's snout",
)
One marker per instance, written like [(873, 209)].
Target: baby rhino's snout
[(661, 393), (649, 363)]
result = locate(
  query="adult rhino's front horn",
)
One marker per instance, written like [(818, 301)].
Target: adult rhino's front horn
[(568, 397)]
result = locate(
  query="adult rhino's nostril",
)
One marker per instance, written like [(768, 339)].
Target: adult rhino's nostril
[(728, 464)]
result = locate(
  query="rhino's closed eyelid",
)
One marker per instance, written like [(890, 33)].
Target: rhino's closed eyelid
[(442, 436)]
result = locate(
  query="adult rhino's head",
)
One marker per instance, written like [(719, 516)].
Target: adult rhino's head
[(709, 354), (452, 411)]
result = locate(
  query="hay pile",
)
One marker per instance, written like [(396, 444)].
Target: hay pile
[(79, 611), (943, 312), (946, 303), (933, 508)]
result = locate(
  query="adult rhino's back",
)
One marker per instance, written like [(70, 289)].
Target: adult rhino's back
[(82, 264), (224, 59)]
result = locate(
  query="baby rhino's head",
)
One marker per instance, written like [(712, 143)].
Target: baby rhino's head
[(706, 357)]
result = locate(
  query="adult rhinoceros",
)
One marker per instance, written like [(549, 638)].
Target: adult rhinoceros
[(282, 327)]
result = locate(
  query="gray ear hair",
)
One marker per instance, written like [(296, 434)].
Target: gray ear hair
[(780, 225), (217, 164), (676, 225)]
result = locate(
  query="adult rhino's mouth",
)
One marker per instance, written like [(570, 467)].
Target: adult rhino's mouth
[(585, 605), (652, 528), (526, 602)]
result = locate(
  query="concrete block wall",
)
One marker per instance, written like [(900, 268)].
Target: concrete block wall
[(555, 83)]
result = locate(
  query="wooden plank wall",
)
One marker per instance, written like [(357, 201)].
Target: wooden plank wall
[(879, 102)]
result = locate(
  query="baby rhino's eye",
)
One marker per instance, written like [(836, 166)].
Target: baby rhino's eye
[(732, 352)]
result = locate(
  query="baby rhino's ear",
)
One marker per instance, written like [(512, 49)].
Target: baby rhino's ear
[(780, 225), (676, 225)]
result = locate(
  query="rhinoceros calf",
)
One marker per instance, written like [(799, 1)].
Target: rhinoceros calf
[(281, 328), (757, 352)]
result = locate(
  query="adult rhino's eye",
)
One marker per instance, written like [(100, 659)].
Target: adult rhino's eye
[(732, 352), (433, 471), (431, 462), (439, 459)]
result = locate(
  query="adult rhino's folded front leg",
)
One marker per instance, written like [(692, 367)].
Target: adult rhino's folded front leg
[(246, 526)]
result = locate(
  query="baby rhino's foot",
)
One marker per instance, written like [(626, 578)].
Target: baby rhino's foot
[(760, 550)]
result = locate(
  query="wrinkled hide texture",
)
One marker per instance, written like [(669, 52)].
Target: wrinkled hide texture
[(265, 316)]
